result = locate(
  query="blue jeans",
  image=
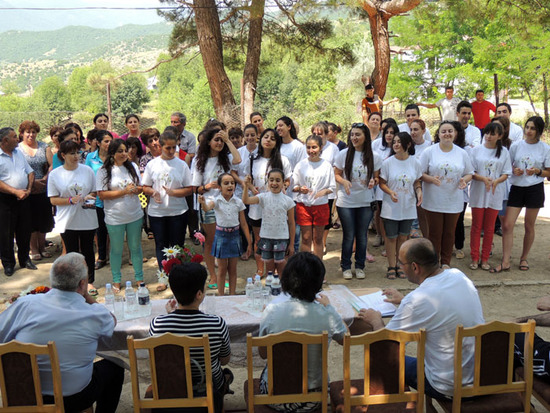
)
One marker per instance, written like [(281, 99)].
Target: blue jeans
[(411, 380), (355, 224), (168, 231)]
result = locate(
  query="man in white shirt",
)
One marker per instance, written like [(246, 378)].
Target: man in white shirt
[(412, 112), (68, 315), (448, 104), (464, 113), (442, 300), (16, 179), (516, 131)]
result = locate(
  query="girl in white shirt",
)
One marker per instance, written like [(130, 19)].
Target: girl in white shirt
[(400, 180), (227, 247), (277, 230), (530, 165), (446, 172), (491, 162), (313, 182), (257, 167), (118, 185), (215, 156), (418, 129)]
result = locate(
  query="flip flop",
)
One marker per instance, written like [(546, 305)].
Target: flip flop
[(370, 258), (93, 292), (213, 286), (524, 267), (116, 288), (498, 269)]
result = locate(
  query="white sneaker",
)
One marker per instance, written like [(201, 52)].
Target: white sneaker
[(348, 275), (359, 274), (459, 254)]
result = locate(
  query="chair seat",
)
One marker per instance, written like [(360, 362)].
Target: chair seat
[(495, 403), (337, 400), (263, 408), (540, 386)]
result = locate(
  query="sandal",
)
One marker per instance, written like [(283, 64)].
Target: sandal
[(116, 288), (391, 274), (400, 273), (150, 236), (370, 258), (474, 265), (523, 267), (36, 257), (212, 286), (162, 287), (245, 256), (485, 266), (46, 254), (93, 292), (498, 269)]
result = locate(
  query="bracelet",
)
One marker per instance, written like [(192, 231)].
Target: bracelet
[(540, 172), (71, 200)]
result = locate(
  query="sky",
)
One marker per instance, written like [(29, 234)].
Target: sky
[(37, 20)]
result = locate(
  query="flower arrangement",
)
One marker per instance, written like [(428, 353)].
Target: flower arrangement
[(178, 255), (42, 289)]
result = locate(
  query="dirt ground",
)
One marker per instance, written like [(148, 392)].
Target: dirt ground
[(504, 296)]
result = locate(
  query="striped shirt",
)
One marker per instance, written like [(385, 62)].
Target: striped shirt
[(194, 323)]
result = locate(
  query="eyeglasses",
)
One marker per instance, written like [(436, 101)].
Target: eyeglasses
[(357, 125)]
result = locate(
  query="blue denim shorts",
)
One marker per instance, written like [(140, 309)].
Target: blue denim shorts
[(272, 249)]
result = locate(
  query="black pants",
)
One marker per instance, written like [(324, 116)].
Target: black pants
[(82, 241), (104, 389), (459, 231), (168, 231), (192, 217), (101, 235), (15, 220)]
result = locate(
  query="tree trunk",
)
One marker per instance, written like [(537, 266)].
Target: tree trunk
[(526, 88), (380, 11), (545, 100), (250, 75), (495, 82), (209, 34)]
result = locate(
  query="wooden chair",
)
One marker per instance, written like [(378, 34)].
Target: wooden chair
[(383, 387), (287, 367), (170, 366), (20, 379), (493, 370)]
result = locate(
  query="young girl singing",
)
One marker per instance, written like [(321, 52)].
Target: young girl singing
[(230, 216), (492, 166), (277, 210)]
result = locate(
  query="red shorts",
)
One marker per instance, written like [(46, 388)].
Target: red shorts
[(316, 215)]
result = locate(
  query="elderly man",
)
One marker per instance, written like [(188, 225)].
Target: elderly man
[(68, 315), (16, 179), (443, 299)]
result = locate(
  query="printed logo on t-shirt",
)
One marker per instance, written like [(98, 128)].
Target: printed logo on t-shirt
[(75, 189), (525, 162), (359, 174), (404, 181), (449, 173)]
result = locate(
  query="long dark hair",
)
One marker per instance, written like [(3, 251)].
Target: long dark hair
[(406, 143), (110, 162), (366, 158), (275, 161), (505, 123), (386, 128), (203, 153), (288, 122), (495, 127), (460, 139)]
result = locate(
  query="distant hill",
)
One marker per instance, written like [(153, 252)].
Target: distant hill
[(29, 57)]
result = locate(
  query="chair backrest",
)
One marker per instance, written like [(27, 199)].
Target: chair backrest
[(494, 361), (20, 378), (384, 368), (171, 375), (287, 368)]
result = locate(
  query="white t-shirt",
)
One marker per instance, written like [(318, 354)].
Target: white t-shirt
[(172, 174), (295, 151), (64, 184), (448, 107), (404, 127), (275, 209), (317, 176), (212, 170), (473, 136), (449, 167), (516, 132), (360, 194), (400, 176), (438, 305), (529, 155), (486, 163), (418, 149), (329, 152), (260, 170), (120, 210), (243, 151), (384, 152), (227, 212)]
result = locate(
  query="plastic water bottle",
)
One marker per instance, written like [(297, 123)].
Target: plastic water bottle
[(249, 289), (257, 293), (109, 298), (143, 300), (131, 300), (269, 279), (276, 285)]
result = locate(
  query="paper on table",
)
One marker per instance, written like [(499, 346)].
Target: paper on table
[(376, 302)]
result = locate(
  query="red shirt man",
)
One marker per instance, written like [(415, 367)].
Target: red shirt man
[(481, 109)]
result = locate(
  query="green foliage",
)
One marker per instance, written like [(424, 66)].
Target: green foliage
[(52, 95), (130, 96)]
